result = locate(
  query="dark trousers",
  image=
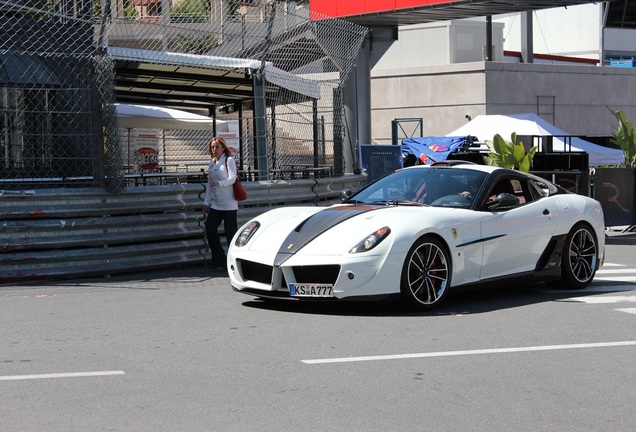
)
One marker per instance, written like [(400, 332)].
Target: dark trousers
[(212, 223)]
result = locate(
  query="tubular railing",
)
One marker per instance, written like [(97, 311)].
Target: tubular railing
[(66, 232)]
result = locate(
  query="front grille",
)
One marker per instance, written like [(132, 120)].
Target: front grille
[(261, 273), (256, 272), (322, 274)]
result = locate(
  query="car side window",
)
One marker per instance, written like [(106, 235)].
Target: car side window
[(517, 187), (536, 191), (502, 186)]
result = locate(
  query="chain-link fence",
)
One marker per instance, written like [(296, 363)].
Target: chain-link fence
[(54, 125), (58, 86)]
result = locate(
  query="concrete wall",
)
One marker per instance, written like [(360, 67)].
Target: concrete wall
[(573, 98), (441, 43), (619, 42), (441, 95), (573, 31), (582, 94)]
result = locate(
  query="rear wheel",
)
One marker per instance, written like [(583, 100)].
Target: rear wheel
[(426, 274), (580, 257)]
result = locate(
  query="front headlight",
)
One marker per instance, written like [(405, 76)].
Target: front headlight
[(247, 233), (371, 241)]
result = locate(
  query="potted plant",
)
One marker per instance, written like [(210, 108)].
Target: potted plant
[(614, 186), (625, 138), (509, 154)]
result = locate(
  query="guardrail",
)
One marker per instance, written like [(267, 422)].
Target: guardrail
[(77, 232)]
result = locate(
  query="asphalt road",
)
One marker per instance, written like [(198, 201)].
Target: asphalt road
[(180, 351)]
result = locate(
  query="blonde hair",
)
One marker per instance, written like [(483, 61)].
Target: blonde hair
[(221, 140)]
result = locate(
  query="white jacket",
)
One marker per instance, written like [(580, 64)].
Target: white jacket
[(221, 197)]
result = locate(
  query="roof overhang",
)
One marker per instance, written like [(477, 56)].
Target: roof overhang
[(391, 13), (199, 82), (180, 80)]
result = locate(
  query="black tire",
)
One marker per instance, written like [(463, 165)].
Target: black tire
[(426, 274), (580, 258)]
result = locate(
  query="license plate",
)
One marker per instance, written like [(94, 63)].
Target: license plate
[(310, 290)]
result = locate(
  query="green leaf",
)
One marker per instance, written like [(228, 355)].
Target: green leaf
[(519, 153), (500, 145), (509, 154), (509, 161), (625, 138), (491, 146)]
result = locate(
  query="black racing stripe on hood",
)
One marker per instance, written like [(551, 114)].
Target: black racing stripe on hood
[(315, 225)]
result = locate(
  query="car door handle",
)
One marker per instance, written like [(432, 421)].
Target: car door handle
[(546, 212)]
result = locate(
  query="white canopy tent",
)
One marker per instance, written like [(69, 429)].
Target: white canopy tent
[(148, 151), (153, 117), (485, 127)]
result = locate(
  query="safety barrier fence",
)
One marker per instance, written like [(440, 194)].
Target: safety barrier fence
[(67, 232)]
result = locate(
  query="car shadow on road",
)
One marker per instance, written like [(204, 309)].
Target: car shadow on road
[(475, 301)]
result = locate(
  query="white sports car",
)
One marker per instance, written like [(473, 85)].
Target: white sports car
[(419, 233)]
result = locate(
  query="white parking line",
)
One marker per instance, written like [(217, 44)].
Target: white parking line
[(59, 375), (469, 352)]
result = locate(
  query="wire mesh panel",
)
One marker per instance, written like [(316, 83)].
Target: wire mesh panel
[(60, 78), (55, 125), (304, 59)]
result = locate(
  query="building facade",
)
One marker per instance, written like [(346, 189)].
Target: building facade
[(438, 72)]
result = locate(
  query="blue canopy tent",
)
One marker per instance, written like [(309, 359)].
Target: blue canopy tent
[(434, 149)]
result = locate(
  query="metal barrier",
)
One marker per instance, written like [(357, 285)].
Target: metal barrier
[(67, 232)]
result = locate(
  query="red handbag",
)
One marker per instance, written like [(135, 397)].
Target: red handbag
[(240, 194)]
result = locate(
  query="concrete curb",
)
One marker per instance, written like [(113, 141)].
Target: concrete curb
[(624, 236)]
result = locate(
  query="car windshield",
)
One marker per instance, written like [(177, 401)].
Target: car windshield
[(440, 187)]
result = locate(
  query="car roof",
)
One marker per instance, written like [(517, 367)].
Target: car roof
[(467, 166), (489, 169)]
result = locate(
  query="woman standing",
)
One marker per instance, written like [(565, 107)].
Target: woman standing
[(219, 203)]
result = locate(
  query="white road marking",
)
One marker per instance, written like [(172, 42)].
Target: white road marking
[(628, 310), (615, 275), (616, 271), (613, 265), (615, 279), (601, 289), (603, 299), (59, 375), (469, 352)]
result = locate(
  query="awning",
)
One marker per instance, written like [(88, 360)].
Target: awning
[(181, 80), (153, 117)]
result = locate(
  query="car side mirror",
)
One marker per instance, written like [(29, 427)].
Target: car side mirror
[(503, 200), (345, 195)]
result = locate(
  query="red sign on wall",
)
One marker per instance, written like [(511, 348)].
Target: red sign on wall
[(358, 7)]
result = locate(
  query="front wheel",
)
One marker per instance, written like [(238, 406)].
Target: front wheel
[(580, 257), (426, 274)]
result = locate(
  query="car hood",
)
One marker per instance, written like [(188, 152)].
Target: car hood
[(315, 225), (334, 230)]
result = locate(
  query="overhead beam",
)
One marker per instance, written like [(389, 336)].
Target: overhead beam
[(183, 76), (383, 13), (160, 98), (180, 88)]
